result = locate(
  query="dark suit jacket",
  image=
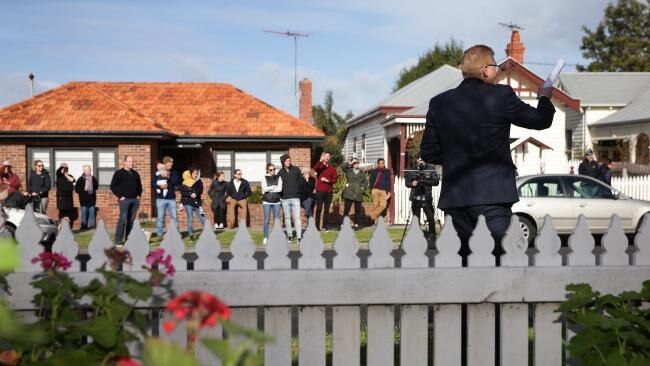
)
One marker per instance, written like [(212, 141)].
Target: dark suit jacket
[(468, 133)]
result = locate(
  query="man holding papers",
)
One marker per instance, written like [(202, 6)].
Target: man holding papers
[(467, 132)]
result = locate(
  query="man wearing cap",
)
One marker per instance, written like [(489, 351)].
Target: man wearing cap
[(589, 166), (166, 194), (9, 178)]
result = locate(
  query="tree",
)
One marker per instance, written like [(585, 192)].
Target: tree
[(621, 41), (334, 127), (449, 54)]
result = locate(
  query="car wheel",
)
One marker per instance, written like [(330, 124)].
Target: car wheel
[(528, 229)]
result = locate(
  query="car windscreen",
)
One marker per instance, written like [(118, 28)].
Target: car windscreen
[(542, 187)]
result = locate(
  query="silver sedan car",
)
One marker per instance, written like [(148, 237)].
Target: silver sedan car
[(566, 196)]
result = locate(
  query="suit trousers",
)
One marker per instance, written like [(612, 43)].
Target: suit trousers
[(497, 217)]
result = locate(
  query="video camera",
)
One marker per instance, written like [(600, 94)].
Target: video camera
[(427, 176)]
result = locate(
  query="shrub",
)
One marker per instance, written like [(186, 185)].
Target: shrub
[(610, 330)]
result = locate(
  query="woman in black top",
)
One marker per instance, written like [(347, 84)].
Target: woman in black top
[(307, 192), (218, 194), (64, 189)]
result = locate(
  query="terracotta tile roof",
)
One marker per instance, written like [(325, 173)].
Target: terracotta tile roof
[(182, 109)]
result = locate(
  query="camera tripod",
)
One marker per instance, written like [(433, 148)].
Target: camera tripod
[(427, 235)]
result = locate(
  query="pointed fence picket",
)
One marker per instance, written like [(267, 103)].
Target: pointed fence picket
[(447, 287)]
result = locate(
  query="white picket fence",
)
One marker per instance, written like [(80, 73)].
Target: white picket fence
[(634, 187), (449, 290)]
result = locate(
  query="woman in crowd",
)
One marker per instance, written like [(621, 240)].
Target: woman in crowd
[(271, 189), (39, 185), (218, 194), (355, 187), (191, 191), (307, 192), (64, 189), (86, 188)]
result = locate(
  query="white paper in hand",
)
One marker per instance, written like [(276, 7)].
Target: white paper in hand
[(557, 69)]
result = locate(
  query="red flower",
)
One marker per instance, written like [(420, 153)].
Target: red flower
[(52, 261), (9, 358), (164, 265), (126, 361), (196, 305)]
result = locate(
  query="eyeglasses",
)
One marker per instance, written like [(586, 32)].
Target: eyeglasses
[(272, 170), (237, 173), (498, 67), (39, 166)]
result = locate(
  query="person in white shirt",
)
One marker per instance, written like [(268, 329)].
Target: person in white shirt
[(271, 189)]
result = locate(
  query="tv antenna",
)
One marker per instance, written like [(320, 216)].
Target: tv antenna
[(295, 36), (512, 26)]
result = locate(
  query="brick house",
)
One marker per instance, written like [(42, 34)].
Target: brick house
[(210, 125)]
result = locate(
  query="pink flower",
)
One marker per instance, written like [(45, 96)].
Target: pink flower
[(52, 261), (164, 265)]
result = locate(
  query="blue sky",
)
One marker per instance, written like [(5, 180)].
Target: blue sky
[(356, 47)]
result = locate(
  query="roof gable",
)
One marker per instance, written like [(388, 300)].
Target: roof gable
[(558, 94)]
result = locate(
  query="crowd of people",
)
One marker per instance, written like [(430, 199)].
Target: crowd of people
[(287, 186), (295, 190)]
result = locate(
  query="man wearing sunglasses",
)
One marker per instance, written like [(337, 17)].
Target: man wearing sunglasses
[(468, 133), (39, 184)]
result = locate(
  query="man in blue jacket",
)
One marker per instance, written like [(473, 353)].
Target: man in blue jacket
[(467, 132), (166, 194)]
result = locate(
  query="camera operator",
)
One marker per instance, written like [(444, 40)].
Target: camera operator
[(420, 183)]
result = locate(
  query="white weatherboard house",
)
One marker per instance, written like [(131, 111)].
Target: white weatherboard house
[(388, 129), (614, 116)]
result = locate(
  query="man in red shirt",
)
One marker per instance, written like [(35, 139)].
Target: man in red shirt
[(325, 179)]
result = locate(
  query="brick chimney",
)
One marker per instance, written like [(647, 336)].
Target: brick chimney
[(305, 101), (515, 48)]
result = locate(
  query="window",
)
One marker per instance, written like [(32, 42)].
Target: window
[(542, 187), (354, 148), (587, 188), (251, 163), (223, 161), (103, 161), (363, 148)]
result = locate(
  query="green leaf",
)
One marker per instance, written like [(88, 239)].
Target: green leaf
[(67, 357), (103, 330), (138, 290), (221, 349), (161, 353), (8, 255), (616, 359)]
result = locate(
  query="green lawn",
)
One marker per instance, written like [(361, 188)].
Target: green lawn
[(226, 237)]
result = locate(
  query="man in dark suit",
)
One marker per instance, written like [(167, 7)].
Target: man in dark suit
[(467, 132)]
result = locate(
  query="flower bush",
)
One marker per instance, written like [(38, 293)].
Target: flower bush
[(102, 323)]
